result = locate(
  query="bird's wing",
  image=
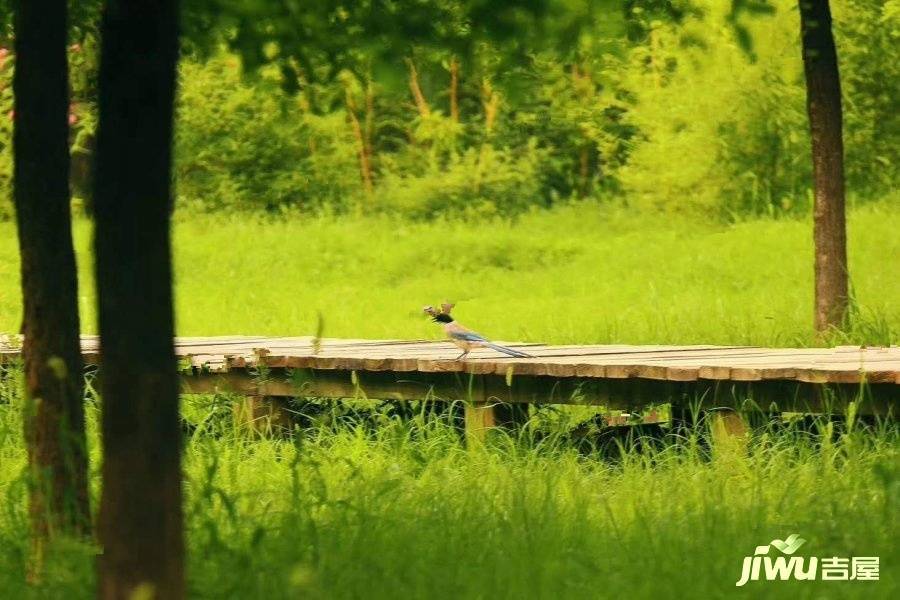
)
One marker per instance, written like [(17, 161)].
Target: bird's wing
[(460, 333), (508, 351), (467, 336)]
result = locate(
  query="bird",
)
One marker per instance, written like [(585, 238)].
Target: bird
[(465, 338)]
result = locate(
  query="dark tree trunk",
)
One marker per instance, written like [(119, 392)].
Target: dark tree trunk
[(140, 523), (54, 421), (823, 101)]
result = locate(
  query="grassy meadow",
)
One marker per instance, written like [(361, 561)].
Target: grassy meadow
[(401, 508), (578, 274)]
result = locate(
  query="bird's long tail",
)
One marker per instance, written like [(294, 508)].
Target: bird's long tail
[(507, 351)]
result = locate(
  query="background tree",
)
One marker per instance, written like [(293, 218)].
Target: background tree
[(54, 422), (140, 511), (823, 101), (140, 523)]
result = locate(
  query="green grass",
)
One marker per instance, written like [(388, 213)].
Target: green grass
[(575, 275), (404, 510)]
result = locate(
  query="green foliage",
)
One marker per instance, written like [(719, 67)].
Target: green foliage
[(83, 62), (84, 59), (659, 103), (481, 183), (361, 503), (720, 131), (764, 151), (723, 130), (316, 41), (680, 117), (251, 147), (579, 116), (642, 16), (868, 36)]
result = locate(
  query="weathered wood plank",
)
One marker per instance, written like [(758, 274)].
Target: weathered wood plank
[(624, 394), (692, 363)]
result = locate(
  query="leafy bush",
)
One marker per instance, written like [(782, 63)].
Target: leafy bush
[(661, 105), (579, 116), (83, 58), (719, 131), (483, 182), (764, 152), (868, 35), (244, 147)]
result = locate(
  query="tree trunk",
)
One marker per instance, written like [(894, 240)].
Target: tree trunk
[(365, 167), (454, 89), (140, 523), (490, 100), (370, 123), (823, 101), (418, 96), (54, 421)]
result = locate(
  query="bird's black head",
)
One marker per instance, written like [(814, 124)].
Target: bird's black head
[(442, 318)]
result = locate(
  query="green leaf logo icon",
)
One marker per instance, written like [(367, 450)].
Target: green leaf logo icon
[(789, 545)]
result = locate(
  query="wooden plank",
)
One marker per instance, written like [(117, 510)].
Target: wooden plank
[(624, 394), (845, 364)]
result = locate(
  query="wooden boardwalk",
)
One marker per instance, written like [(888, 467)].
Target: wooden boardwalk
[(843, 364), (614, 375)]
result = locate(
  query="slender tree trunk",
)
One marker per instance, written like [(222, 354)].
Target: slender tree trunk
[(370, 115), (454, 89), (823, 101), (140, 522), (365, 169), (415, 88), (370, 125), (491, 102), (54, 421)]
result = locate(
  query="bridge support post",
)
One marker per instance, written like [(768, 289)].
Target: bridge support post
[(263, 415), (481, 417), (728, 432)]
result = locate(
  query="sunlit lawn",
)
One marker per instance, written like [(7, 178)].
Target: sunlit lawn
[(580, 274)]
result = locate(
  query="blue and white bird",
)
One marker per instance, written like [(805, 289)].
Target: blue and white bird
[(465, 338)]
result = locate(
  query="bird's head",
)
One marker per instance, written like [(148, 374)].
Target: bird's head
[(439, 316)]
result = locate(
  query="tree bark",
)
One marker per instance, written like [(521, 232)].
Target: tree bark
[(418, 96), (140, 523), (54, 420), (454, 89), (365, 167), (823, 101)]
